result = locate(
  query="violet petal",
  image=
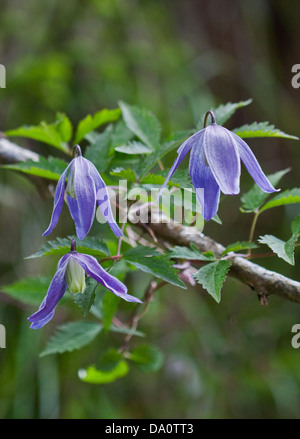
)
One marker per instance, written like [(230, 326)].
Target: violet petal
[(55, 292), (102, 198), (94, 269), (202, 177), (58, 199), (252, 165), (82, 209), (182, 152), (223, 158)]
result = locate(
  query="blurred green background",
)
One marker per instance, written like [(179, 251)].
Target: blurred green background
[(176, 58)]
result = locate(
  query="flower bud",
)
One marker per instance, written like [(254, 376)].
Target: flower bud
[(75, 277)]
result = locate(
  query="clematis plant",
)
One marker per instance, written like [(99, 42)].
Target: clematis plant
[(215, 165), (84, 187), (70, 273)]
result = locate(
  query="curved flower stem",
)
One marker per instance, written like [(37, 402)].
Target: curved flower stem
[(76, 151), (211, 114), (73, 245)]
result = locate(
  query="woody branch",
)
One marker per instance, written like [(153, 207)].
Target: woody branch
[(264, 282)]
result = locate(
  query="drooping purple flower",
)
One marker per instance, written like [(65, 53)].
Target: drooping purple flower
[(70, 272), (215, 165), (85, 186)]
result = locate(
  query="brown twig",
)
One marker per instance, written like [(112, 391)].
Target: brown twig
[(136, 316), (261, 280)]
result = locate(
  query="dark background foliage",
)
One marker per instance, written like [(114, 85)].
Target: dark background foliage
[(178, 59)]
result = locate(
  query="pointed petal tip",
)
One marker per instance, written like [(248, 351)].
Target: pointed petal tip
[(268, 190), (37, 325), (266, 186), (34, 324), (275, 190), (80, 235), (130, 298), (207, 217), (116, 229)]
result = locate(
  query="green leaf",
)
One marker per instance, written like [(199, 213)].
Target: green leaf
[(50, 168), (155, 179), (142, 123), (90, 123), (224, 112), (72, 336), (212, 277), (181, 134), (150, 261), (108, 308), (190, 254), (56, 134), (284, 250), (147, 358), (121, 134), (99, 149), (90, 246), (64, 127), (290, 247), (295, 226), (126, 174), (181, 179), (134, 147), (86, 299), (29, 290), (254, 198), (288, 197), (238, 246), (95, 376), (112, 366), (151, 160), (261, 129)]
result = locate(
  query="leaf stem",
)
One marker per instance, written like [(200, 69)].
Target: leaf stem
[(251, 234), (135, 317), (120, 241), (162, 168), (109, 258)]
